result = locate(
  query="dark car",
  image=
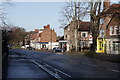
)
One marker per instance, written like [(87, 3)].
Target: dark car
[(30, 48), (56, 49)]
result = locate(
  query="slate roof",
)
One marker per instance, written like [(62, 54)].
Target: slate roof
[(84, 26), (114, 8)]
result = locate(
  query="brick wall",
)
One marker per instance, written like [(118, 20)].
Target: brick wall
[(113, 23), (44, 35), (47, 35), (69, 34)]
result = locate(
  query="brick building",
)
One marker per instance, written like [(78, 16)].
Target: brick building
[(109, 38), (83, 36), (44, 38)]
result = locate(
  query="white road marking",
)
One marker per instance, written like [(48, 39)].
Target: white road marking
[(63, 73), (113, 70), (90, 65)]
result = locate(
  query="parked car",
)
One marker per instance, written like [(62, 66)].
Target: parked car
[(23, 47), (30, 48), (44, 49), (57, 49)]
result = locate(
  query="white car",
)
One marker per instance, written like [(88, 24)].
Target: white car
[(56, 49), (23, 47)]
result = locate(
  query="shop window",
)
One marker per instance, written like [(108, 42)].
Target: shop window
[(119, 47), (116, 46), (114, 49), (100, 45)]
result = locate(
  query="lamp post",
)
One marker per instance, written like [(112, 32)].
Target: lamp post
[(51, 38)]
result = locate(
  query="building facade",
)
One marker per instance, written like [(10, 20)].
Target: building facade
[(109, 38), (44, 38), (83, 35)]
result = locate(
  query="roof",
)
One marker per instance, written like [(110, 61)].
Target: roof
[(85, 26), (114, 8), (61, 38), (71, 23)]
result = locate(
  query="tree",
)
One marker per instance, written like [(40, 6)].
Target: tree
[(18, 35), (95, 20), (4, 26), (72, 12)]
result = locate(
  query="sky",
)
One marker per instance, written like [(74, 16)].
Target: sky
[(35, 15)]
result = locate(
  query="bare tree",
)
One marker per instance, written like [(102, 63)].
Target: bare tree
[(72, 12), (95, 20)]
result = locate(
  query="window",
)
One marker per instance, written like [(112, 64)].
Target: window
[(68, 37), (119, 29), (83, 34), (101, 21), (68, 29), (100, 45), (116, 46), (111, 30), (115, 30), (101, 33)]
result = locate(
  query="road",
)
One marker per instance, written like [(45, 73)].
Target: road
[(76, 66), (19, 67)]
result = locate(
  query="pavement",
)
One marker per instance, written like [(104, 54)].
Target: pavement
[(24, 69)]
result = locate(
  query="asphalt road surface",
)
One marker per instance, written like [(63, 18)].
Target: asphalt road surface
[(76, 66), (21, 68)]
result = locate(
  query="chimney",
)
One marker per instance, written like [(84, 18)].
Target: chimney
[(36, 30), (47, 27), (106, 4)]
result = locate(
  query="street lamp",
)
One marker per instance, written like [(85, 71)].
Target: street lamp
[(51, 38)]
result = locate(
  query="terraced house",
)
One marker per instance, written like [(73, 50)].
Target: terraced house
[(109, 38), (44, 38)]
